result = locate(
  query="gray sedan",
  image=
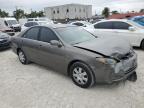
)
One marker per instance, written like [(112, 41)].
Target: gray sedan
[(77, 53)]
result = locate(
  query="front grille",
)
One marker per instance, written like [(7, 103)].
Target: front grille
[(9, 30), (3, 41), (131, 69)]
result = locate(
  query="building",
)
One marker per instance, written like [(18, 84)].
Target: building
[(69, 11), (125, 15)]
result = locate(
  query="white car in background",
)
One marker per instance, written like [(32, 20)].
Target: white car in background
[(41, 19), (120, 28), (32, 23), (81, 23)]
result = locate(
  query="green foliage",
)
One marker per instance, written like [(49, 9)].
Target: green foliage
[(3, 13), (142, 10), (115, 12), (106, 12), (19, 13), (35, 14)]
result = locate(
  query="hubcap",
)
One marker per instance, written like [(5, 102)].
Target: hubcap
[(21, 57), (80, 76)]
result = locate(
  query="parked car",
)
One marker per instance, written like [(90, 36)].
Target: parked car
[(4, 41), (7, 30), (11, 23), (81, 23), (125, 29), (138, 19), (41, 19), (76, 52), (33, 23)]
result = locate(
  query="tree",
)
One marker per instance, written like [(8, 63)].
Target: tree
[(106, 12), (3, 13), (35, 14), (142, 10), (115, 12), (19, 13)]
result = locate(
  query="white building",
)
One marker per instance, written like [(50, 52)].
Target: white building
[(71, 11)]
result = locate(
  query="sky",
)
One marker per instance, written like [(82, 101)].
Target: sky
[(97, 5)]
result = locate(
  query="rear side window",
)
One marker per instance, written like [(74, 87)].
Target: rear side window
[(27, 24), (32, 33), (120, 25), (78, 24), (34, 23), (103, 25), (46, 35), (30, 19)]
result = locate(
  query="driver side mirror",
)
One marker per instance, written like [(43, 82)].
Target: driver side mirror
[(56, 43), (131, 28)]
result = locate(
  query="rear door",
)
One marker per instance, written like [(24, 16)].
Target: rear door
[(30, 43)]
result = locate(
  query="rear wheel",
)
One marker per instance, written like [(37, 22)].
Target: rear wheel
[(81, 75), (22, 57)]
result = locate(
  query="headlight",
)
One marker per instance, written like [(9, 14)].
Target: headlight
[(107, 61)]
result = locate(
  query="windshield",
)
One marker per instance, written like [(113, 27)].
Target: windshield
[(137, 24), (74, 35), (12, 22)]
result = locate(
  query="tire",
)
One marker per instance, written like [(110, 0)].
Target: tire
[(22, 57), (142, 44), (133, 77), (82, 75)]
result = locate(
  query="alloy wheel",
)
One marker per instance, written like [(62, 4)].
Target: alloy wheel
[(80, 75)]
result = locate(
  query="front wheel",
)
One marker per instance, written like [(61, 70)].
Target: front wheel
[(81, 75)]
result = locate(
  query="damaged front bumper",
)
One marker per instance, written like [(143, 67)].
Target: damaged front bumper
[(124, 69)]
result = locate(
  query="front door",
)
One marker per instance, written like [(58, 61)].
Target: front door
[(52, 56)]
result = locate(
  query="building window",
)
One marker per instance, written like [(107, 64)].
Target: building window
[(83, 10), (53, 12), (58, 11), (67, 10), (79, 10)]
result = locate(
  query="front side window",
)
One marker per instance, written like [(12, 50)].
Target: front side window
[(46, 35), (103, 25), (32, 33), (120, 25)]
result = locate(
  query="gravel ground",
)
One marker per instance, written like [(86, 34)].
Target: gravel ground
[(34, 86)]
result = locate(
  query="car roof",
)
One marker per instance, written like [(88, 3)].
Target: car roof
[(123, 20), (59, 25)]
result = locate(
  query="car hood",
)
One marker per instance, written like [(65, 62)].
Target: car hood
[(3, 35), (106, 46), (15, 25)]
